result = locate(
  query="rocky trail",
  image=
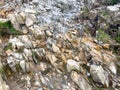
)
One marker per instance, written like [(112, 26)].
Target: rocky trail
[(59, 45)]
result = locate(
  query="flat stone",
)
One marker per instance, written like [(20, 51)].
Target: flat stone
[(29, 22)]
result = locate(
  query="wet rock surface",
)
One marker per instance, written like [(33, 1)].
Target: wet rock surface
[(60, 46)]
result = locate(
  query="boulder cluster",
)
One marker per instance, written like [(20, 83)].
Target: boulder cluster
[(59, 46)]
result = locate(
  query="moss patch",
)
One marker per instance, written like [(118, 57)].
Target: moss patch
[(6, 29)]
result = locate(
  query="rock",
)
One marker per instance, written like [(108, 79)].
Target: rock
[(35, 1), (43, 81), (24, 30), (55, 48), (37, 83), (27, 52), (29, 22), (11, 62), (12, 18), (51, 58), (16, 43), (98, 75), (80, 81), (28, 84), (113, 8), (23, 15), (49, 34), (23, 65), (19, 19), (112, 68), (36, 31), (4, 87), (72, 65), (19, 2), (27, 67), (30, 11)]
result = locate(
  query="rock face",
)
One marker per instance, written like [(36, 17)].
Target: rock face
[(62, 45)]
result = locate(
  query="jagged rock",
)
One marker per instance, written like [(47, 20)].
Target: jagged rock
[(80, 81), (26, 40), (98, 75), (23, 65), (16, 43), (19, 19), (56, 36), (12, 62), (112, 68), (23, 15), (14, 21), (72, 65)]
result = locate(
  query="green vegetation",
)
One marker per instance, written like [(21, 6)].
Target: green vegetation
[(111, 2), (6, 29), (102, 36), (1, 70), (114, 1), (85, 13), (117, 39), (9, 46)]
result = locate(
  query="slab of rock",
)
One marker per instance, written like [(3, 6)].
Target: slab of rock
[(80, 81), (113, 8), (98, 75)]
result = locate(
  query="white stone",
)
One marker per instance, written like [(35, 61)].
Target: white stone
[(29, 22), (80, 81), (12, 18), (28, 10), (11, 62), (4, 87), (27, 52), (16, 43), (49, 33), (23, 15), (55, 48), (72, 65), (112, 68), (113, 8), (23, 65), (98, 75), (26, 39), (20, 19)]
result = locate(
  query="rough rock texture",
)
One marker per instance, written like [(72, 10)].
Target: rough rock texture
[(60, 47)]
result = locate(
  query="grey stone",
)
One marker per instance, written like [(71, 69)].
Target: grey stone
[(113, 8), (72, 65), (98, 75), (29, 22), (80, 81)]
